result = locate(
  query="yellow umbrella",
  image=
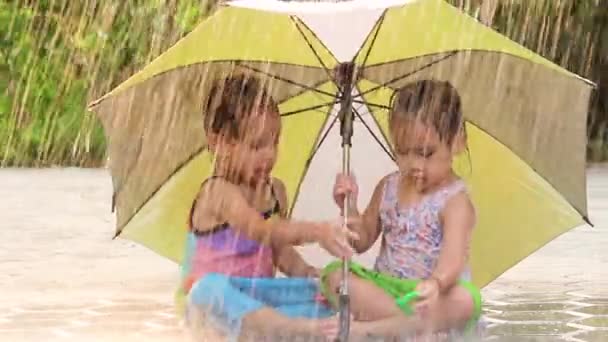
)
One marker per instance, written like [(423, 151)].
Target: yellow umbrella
[(526, 116)]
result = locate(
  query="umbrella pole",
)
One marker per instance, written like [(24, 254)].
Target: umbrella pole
[(344, 297), (344, 77)]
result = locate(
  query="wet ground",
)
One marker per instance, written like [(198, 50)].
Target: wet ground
[(62, 278)]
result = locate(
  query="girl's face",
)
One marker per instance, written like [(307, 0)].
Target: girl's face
[(421, 155), (253, 156)]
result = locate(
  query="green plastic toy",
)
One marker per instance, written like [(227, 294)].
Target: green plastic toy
[(404, 302)]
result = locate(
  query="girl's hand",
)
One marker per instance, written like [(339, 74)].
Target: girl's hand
[(345, 185), (335, 239), (428, 295)]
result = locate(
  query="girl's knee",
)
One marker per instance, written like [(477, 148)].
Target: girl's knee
[(461, 300)]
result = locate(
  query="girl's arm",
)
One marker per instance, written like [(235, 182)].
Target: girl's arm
[(367, 225), (220, 201), (287, 258), (458, 218), (291, 263)]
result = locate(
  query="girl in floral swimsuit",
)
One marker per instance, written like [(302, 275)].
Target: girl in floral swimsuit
[(425, 217)]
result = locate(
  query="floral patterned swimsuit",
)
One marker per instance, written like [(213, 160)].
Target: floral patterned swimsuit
[(412, 235)]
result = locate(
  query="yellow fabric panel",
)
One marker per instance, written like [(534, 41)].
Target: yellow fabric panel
[(518, 211), (299, 136), (429, 27), (239, 34)]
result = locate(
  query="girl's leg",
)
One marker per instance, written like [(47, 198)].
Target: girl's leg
[(278, 291), (269, 322), (292, 297), (453, 311), (290, 304), (232, 303), (368, 302)]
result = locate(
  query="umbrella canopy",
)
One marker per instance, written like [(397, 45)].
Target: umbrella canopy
[(526, 117)]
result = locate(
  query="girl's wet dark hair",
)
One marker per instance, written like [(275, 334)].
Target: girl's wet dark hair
[(436, 103), (232, 101)]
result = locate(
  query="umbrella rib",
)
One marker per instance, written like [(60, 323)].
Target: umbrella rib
[(293, 112), (129, 169), (307, 165), (325, 135), (319, 59), (303, 86), (379, 106), (179, 167), (371, 45), (369, 129), (398, 78)]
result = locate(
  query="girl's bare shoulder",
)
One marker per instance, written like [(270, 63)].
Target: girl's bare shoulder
[(211, 200)]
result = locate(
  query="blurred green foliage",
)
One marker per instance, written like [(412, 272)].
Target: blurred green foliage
[(57, 55)]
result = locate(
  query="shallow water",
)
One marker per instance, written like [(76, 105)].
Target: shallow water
[(63, 278)]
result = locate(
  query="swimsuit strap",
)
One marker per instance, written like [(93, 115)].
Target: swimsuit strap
[(190, 224), (222, 226)]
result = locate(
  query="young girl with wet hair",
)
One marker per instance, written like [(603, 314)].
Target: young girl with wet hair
[(238, 231), (425, 217)]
